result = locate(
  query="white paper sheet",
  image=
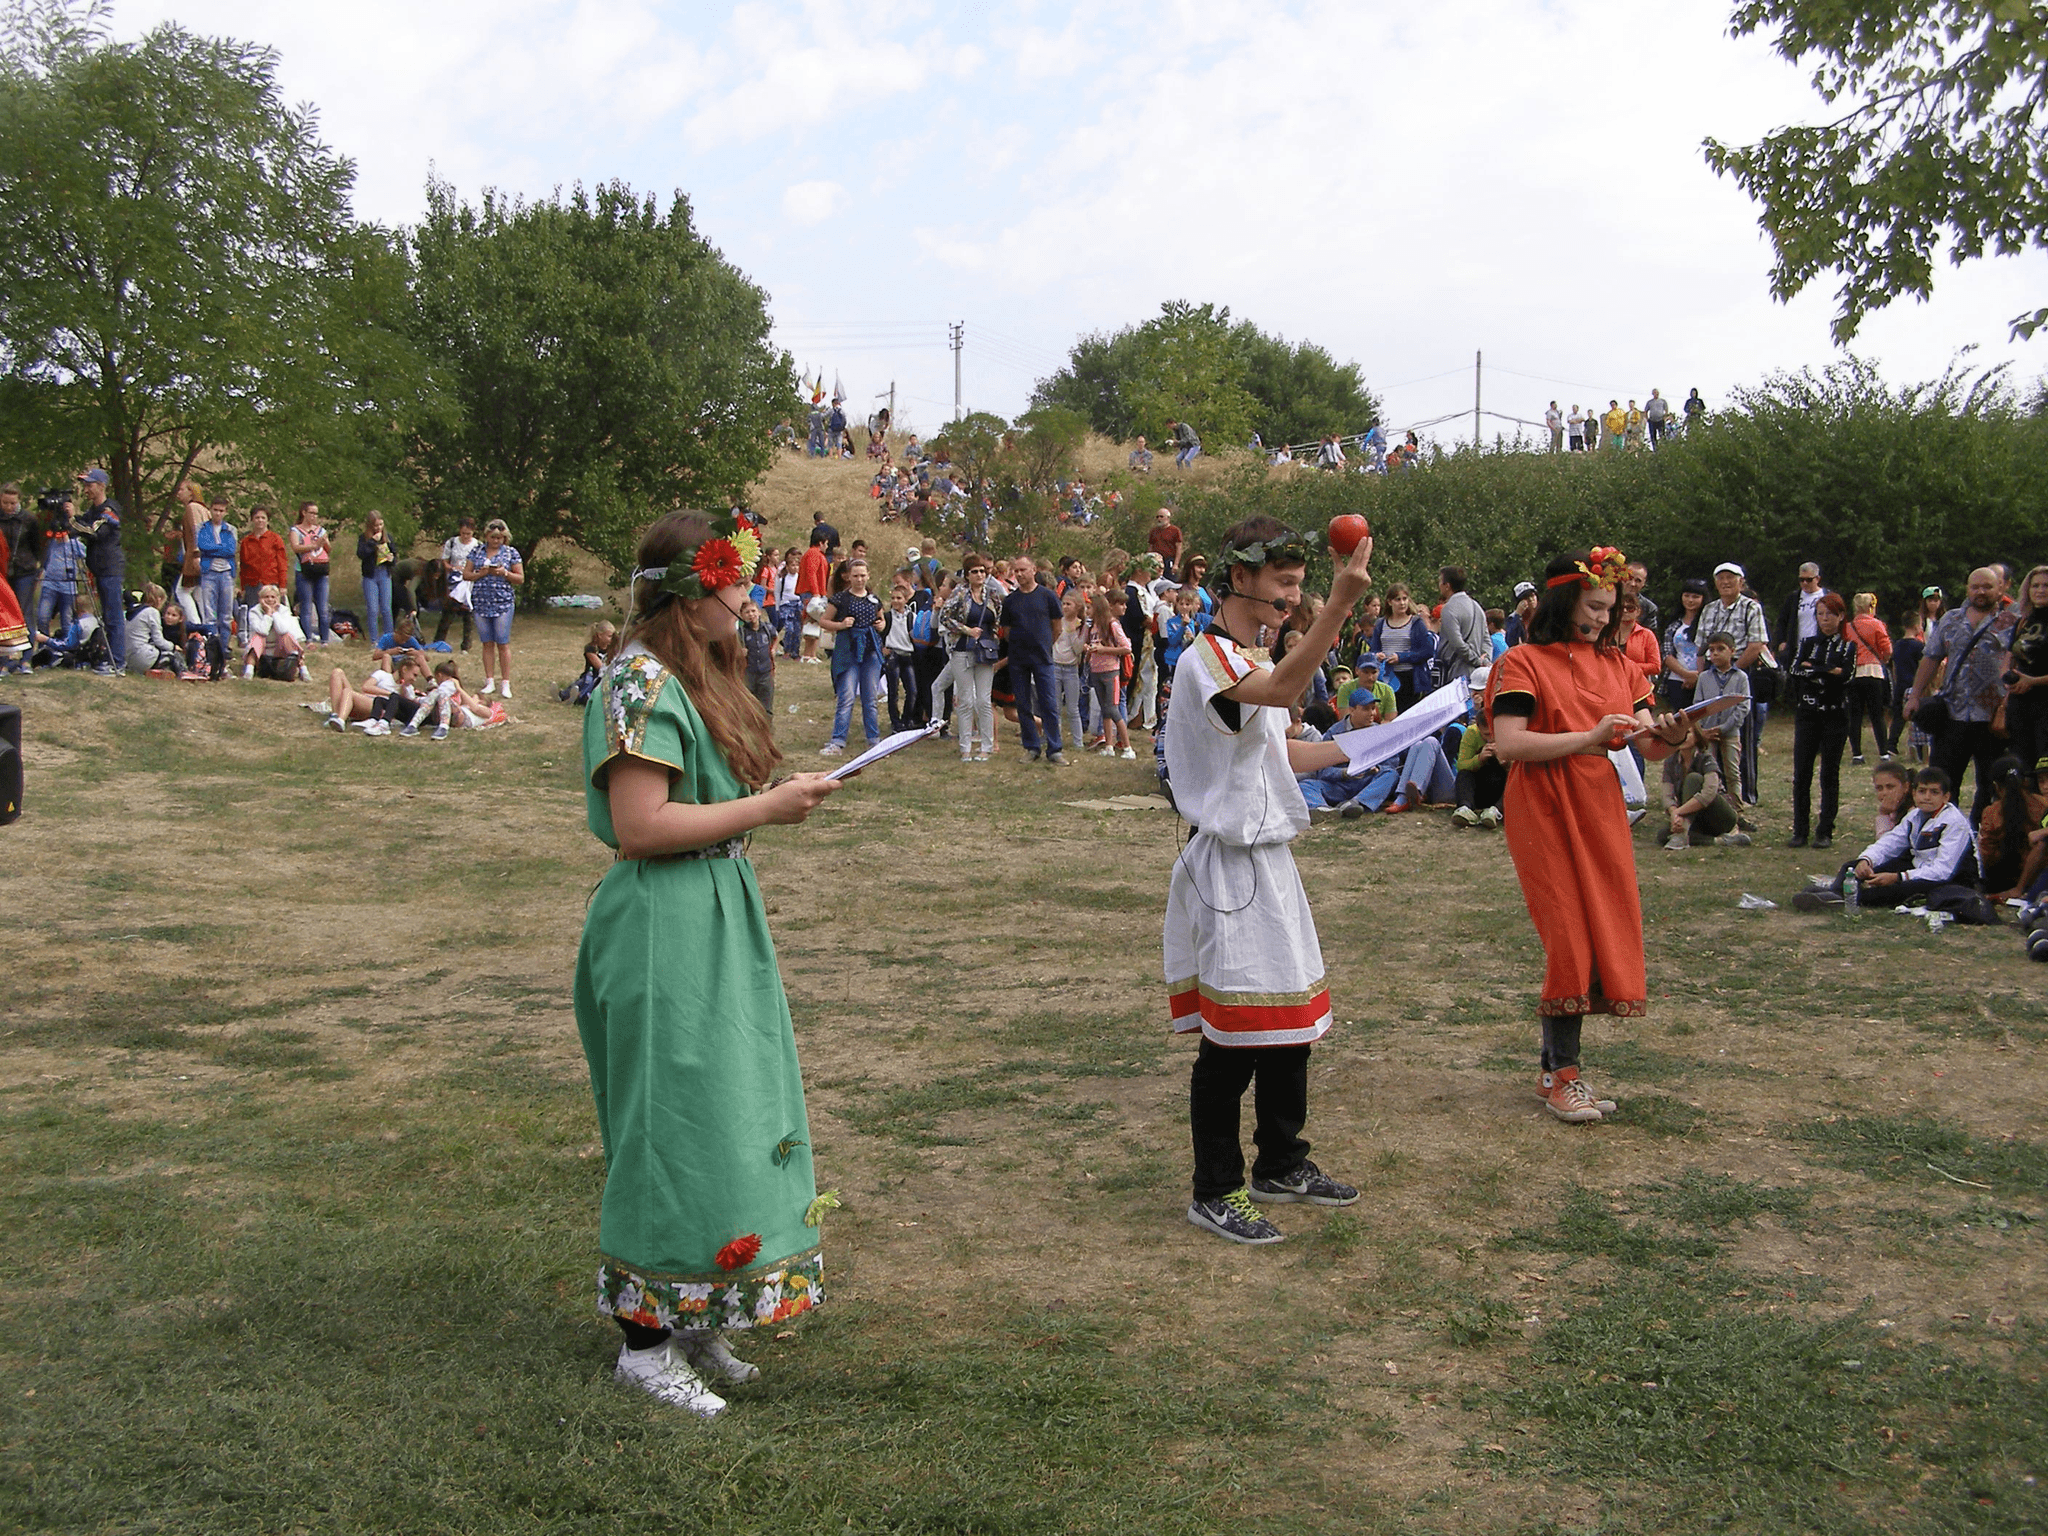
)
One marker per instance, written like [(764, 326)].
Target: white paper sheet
[(886, 747), (1377, 743)]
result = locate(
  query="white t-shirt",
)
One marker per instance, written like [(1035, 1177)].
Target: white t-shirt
[(1809, 609), (1232, 781), (382, 679)]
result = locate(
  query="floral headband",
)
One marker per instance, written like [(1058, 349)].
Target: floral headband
[(723, 559), (1608, 566)]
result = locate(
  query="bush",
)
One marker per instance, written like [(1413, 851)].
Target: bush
[(546, 577)]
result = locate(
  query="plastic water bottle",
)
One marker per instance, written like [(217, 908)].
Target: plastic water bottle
[(1852, 898)]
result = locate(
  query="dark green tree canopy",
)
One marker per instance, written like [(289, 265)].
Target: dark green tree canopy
[(1191, 363), (1940, 143), (605, 364), (177, 282)]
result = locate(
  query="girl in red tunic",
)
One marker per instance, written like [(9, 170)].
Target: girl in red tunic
[(1557, 706)]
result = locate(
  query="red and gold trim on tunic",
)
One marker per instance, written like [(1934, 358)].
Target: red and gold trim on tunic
[(1250, 1018), (1620, 1007), (1225, 666)]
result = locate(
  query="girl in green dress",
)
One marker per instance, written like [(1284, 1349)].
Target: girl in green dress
[(710, 1209)]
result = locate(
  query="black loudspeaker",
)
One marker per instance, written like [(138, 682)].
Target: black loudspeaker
[(10, 764)]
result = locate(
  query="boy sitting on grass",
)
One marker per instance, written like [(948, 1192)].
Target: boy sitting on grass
[(1696, 797), (1932, 847)]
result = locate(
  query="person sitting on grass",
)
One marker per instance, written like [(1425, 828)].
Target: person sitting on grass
[(1932, 847), (599, 646), (1482, 777), (276, 645), (1369, 676), (347, 705), (1334, 791), (2003, 847), (148, 650), (1893, 788), (1696, 797)]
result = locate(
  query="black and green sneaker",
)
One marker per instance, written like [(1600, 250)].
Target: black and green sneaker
[(1234, 1217), (1309, 1184)]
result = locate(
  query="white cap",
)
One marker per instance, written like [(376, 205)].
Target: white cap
[(1728, 565)]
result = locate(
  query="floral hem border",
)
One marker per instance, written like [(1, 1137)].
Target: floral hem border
[(761, 1296), (1619, 1007)]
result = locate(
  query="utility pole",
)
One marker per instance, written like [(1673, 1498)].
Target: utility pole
[(957, 335), (892, 403), (1475, 401)]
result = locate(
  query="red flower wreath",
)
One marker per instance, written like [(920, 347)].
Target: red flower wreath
[(717, 564), (739, 1253)]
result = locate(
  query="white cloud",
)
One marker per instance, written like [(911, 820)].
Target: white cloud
[(813, 202)]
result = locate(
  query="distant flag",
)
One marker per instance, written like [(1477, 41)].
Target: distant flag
[(838, 389), (818, 388)]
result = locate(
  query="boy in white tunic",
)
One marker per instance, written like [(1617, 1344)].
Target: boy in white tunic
[(1242, 961)]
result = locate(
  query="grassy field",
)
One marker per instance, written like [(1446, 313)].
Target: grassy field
[(300, 1172)]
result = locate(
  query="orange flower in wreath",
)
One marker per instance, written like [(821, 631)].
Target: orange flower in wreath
[(718, 565), (741, 1251)]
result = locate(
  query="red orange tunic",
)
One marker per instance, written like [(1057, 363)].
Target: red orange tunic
[(1567, 829), (13, 623)]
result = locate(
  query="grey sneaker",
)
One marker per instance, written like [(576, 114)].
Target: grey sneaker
[(1732, 840), (1490, 817), (1322, 813), (1352, 810), (1677, 842), (1056, 759), (1465, 816), (1028, 757), (1235, 1218), (1308, 1184), (709, 1356), (1818, 900), (440, 733)]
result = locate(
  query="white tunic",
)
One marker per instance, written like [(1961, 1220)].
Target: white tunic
[(1243, 964)]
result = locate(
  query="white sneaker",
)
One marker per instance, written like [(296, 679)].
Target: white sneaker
[(831, 749), (1491, 816), (505, 689), (490, 685), (335, 722), (1127, 754), (664, 1374), (709, 1354)]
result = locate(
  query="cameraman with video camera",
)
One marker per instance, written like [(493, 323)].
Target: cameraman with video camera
[(99, 527)]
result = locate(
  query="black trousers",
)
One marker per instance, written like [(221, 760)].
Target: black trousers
[(1279, 1105), (1817, 735), (904, 694), (1481, 788), (1869, 696), (1965, 742)]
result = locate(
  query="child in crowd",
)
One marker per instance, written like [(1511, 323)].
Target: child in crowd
[(1068, 661), (598, 648), (758, 636), (1932, 847), (1894, 792), (63, 563), (348, 706), (1368, 676), (1107, 649), (1718, 678), (1482, 777), (1696, 797), (1243, 964), (899, 656)]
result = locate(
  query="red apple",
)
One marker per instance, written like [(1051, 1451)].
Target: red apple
[(1347, 533)]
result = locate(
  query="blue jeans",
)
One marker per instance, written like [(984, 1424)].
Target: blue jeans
[(1332, 786), (1031, 683), (312, 605), (1073, 691), (790, 616), (377, 604), (866, 678), (1187, 455), (54, 602), (217, 602), (114, 615)]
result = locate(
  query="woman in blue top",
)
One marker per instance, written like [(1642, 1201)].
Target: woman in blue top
[(856, 618), (1404, 645), (494, 569)]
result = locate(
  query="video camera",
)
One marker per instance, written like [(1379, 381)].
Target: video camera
[(55, 503)]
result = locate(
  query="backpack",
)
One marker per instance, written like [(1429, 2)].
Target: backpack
[(921, 627)]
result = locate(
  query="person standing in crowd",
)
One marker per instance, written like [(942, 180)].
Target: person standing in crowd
[(789, 607), (1107, 648), (315, 554), (1682, 645), (1242, 961), (856, 618), (709, 1223), (1633, 582), (1031, 623), (1870, 691), (1973, 642), (1740, 617), (1906, 653), (1516, 630), (758, 636), (813, 583), (99, 526), (375, 555), (899, 658), (2026, 698), (1632, 428), (1557, 706), (1615, 422), (1462, 645), (1165, 540), (1575, 425), (1796, 620), (454, 596), (219, 549), (63, 569), (265, 562), (24, 551), (493, 572), (1553, 423), (1404, 647), (190, 500), (1821, 672), (968, 619), (1656, 412)]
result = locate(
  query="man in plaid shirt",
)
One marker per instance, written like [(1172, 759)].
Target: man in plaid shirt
[(1741, 619)]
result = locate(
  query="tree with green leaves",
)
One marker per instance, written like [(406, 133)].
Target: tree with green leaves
[(604, 364), (1939, 143), (182, 284), (1191, 363)]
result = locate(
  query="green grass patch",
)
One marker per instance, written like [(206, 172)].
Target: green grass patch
[(1702, 1199), (1915, 1147), (1659, 1114), (1586, 1225)]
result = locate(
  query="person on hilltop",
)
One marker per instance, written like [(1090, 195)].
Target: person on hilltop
[(1632, 428), (1242, 961), (710, 1209), (1186, 446), (1575, 423), (1140, 460), (1557, 706), (1656, 413), (1613, 424), (1553, 423), (1695, 410)]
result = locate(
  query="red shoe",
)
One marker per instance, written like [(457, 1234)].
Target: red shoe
[(1568, 1098)]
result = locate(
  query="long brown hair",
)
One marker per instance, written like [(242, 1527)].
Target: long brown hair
[(710, 671)]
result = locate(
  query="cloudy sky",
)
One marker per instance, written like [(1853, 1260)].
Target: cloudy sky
[(1403, 184)]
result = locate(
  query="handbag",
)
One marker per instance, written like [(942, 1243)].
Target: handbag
[(1933, 715)]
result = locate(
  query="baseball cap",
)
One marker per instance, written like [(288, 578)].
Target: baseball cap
[(1367, 664), (1729, 565), (1932, 592), (1364, 694), (913, 552), (94, 477), (1524, 589)]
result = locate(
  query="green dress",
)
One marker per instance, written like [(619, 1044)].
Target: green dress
[(692, 1058)]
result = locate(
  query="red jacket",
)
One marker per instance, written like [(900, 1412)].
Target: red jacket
[(813, 573)]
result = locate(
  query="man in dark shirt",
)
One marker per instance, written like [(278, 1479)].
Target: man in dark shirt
[(99, 525), (1517, 627), (831, 534), (1031, 619)]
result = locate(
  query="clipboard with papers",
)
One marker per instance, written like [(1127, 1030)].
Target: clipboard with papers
[(888, 746)]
